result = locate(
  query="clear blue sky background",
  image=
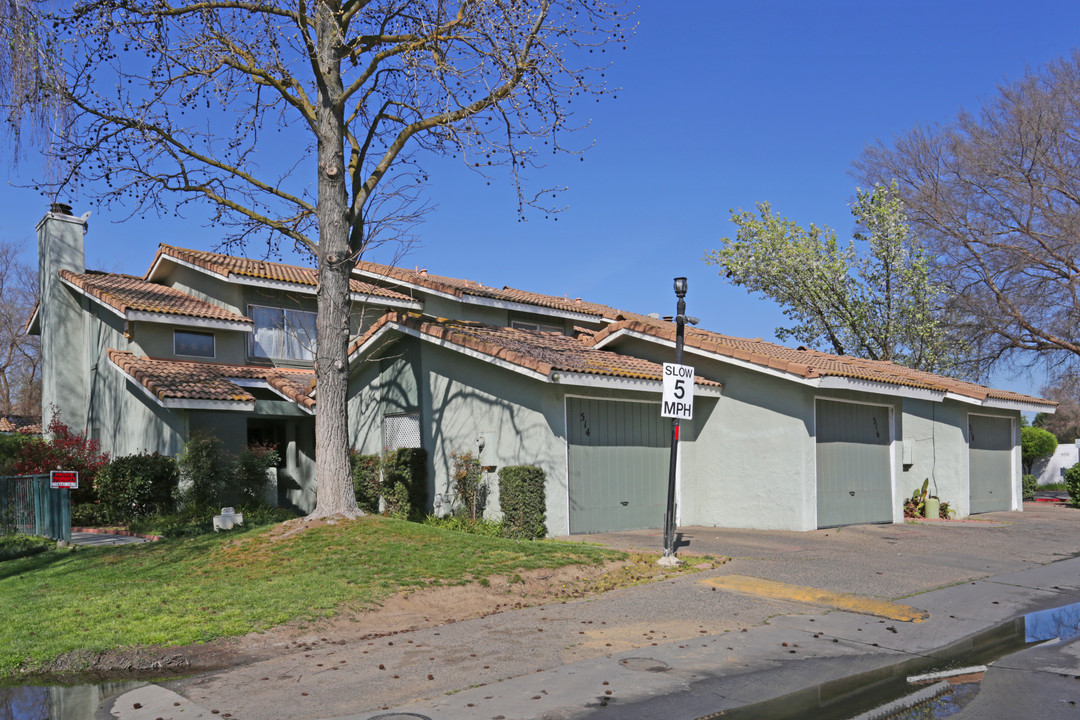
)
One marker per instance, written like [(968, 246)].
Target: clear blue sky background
[(722, 105)]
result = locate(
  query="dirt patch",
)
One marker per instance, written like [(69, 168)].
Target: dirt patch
[(407, 611)]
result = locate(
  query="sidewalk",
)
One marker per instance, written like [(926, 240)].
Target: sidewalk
[(683, 648)]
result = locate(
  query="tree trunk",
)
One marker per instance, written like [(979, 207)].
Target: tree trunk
[(335, 492)]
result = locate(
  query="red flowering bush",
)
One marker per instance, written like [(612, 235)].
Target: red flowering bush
[(64, 450)]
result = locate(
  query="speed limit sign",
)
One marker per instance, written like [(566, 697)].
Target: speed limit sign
[(678, 401)]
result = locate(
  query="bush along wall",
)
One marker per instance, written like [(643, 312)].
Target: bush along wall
[(399, 477), (523, 501), (1072, 484), (136, 486), (405, 481), (365, 480)]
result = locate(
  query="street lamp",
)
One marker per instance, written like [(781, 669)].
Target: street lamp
[(669, 515)]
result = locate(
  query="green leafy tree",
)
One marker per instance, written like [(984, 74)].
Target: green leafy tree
[(171, 103), (873, 298), (1035, 443)]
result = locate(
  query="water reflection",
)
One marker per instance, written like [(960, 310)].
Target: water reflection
[(1062, 623), (58, 702)]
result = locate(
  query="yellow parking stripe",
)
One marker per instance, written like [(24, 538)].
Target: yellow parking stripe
[(814, 596)]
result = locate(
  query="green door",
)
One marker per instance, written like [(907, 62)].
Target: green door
[(618, 455), (854, 466), (990, 463)]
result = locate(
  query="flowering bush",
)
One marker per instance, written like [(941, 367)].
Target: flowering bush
[(64, 450)]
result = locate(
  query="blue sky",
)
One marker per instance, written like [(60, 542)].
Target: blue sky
[(722, 105)]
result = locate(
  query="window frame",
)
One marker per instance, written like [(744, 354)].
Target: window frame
[(285, 327), (202, 333), (537, 326)]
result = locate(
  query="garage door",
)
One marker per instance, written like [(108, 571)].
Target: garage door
[(990, 463), (618, 465), (854, 465)]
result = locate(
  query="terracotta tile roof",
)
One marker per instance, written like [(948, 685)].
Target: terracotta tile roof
[(459, 287), (542, 352), (811, 363), (173, 380), (124, 292), (25, 424), (263, 269)]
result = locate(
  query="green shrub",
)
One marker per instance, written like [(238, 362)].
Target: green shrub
[(396, 497), (137, 485), (11, 450), (1072, 484), (250, 474), (1035, 443), (365, 479), (89, 515), (14, 545), (523, 501), (204, 473), (1031, 484), (399, 477), (467, 487), (406, 467)]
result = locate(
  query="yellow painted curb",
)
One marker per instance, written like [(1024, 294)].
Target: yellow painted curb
[(814, 596)]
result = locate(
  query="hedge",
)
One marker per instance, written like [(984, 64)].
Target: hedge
[(137, 485), (399, 477), (523, 501)]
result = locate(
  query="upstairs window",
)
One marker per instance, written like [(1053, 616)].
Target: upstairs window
[(193, 344), (530, 325), (282, 334)]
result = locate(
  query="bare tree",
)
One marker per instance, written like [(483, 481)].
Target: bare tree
[(1065, 421), (19, 381), (307, 120), (996, 195)]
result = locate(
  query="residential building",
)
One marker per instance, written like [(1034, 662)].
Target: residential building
[(781, 438)]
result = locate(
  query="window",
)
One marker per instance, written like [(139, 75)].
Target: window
[(530, 325), (282, 334), (401, 431), (193, 344)]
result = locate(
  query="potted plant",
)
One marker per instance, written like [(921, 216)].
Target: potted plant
[(921, 503)]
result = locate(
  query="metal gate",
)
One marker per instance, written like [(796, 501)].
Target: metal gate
[(29, 506), (618, 454), (990, 463), (854, 464)]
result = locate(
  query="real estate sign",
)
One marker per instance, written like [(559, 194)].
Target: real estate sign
[(678, 401), (64, 479)]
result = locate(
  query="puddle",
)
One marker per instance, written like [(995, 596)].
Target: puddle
[(885, 694), (1061, 623), (59, 702)]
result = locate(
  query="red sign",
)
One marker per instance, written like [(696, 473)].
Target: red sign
[(64, 479)]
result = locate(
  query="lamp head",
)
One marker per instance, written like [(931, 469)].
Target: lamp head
[(680, 287)]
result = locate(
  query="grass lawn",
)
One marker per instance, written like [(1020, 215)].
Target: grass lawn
[(196, 589)]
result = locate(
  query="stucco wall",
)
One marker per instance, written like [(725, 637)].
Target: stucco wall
[(60, 321), (752, 464), (119, 414), (206, 287), (937, 436)]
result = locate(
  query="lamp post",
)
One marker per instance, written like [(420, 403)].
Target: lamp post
[(669, 515)]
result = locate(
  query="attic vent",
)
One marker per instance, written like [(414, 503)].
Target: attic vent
[(401, 430), (803, 348)]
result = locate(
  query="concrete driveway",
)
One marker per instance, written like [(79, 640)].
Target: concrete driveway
[(674, 647)]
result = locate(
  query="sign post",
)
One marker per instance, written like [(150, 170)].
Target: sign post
[(678, 404)]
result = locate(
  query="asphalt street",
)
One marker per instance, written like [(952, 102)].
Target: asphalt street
[(694, 646)]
